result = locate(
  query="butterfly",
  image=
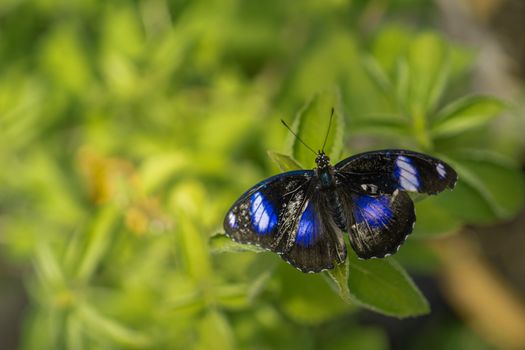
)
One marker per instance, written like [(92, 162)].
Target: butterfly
[(302, 215)]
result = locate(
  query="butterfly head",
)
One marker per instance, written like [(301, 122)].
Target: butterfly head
[(322, 160)]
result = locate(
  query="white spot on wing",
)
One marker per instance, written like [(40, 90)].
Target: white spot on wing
[(404, 163), (411, 177), (441, 170), (406, 184), (260, 213), (406, 174), (231, 219)]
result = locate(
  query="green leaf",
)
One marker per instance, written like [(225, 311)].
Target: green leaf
[(382, 285), (461, 60), (389, 45), (155, 171), (378, 75), (434, 220), (41, 329), (339, 277), (101, 326), (71, 74), (307, 298), (187, 200), (466, 203), (238, 296), (48, 268), (380, 124), (258, 284), (427, 59), (215, 332), (336, 61), (417, 256), (99, 240), (284, 162), (74, 333), (466, 113), (311, 125), (490, 186), (232, 296), (220, 243), (356, 337)]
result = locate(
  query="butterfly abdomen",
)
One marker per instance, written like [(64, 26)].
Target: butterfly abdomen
[(338, 214)]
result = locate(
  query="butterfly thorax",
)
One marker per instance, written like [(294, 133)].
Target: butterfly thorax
[(324, 171)]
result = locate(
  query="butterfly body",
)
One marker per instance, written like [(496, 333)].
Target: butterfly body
[(302, 215)]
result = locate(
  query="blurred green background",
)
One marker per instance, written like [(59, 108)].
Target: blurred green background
[(128, 128)]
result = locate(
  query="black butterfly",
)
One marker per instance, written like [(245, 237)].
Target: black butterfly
[(301, 214)]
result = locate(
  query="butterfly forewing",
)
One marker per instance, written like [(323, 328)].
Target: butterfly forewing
[(390, 170), (264, 214)]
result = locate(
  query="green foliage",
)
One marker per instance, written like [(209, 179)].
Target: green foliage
[(385, 287), (283, 161), (465, 114), (310, 126), (308, 298), (379, 285), (434, 220), (418, 80), (128, 129)]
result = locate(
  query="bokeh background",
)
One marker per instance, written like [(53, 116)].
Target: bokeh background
[(127, 129)]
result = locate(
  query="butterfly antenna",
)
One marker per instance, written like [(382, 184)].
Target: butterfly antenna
[(294, 134), (328, 131)]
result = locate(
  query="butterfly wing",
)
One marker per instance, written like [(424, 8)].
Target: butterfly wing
[(264, 214), (287, 215), (318, 243), (378, 224), (390, 170)]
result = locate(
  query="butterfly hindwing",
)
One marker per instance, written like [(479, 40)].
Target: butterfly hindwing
[(318, 244), (380, 223), (390, 170), (265, 213)]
